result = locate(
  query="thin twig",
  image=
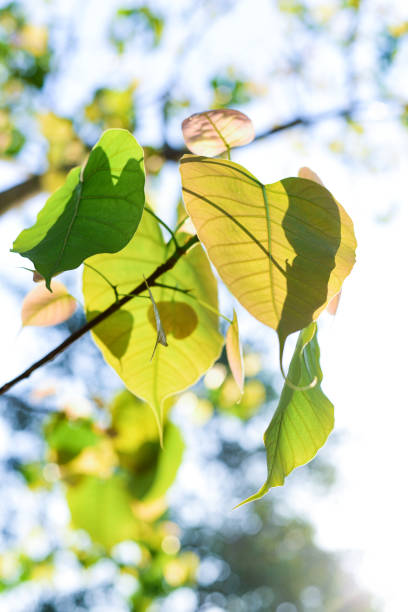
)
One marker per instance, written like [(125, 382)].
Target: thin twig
[(160, 270)]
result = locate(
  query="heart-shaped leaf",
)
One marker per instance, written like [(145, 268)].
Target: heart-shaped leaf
[(194, 341), (214, 131), (283, 250), (42, 308), (302, 421), (97, 210), (234, 353)]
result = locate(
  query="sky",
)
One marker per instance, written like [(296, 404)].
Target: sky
[(363, 347)]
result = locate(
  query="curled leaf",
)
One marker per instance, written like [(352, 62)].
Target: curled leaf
[(161, 335), (212, 132), (42, 308), (234, 353)]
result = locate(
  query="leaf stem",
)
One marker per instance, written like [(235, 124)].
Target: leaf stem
[(172, 234), (160, 270)]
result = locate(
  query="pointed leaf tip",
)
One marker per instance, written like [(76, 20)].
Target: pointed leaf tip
[(214, 131), (234, 353), (302, 421), (42, 308)]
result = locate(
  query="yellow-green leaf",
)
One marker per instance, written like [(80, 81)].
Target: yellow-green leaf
[(302, 421), (234, 353), (214, 131), (127, 337), (283, 250), (42, 308)]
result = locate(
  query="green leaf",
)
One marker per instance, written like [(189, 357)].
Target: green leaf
[(283, 250), (194, 341), (302, 421), (169, 461), (103, 508), (97, 210), (136, 441)]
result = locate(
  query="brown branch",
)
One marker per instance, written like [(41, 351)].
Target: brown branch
[(164, 267), (19, 193), (29, 187)]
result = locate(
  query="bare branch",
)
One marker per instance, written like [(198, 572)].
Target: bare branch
[(20, 192)]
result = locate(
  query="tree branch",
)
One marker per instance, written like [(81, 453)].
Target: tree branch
[(164, 267), (20, 192), (173, 154), (31, 186)]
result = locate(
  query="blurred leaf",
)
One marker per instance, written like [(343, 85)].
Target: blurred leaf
[(68, 438), (215, 131), (191, 351), (42, 308), (112, 108), (234, 353), (283, 250), (103, 509), (96, 211), (302, 421), (129, 22), (168, 464)]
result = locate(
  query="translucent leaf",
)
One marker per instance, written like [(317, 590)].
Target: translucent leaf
[(194, 341), (334, 304), (283, 250), (307, 173), (97, 210), (234, 353), (302, 421), (42, 308), (215, 131)]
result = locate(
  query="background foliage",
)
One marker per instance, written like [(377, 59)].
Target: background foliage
[(57, 96)]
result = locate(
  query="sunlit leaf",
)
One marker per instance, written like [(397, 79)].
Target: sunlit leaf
[(215, 131), (283, 250), (191, 349), (97, 210), (302, 421), (42, 308), (234, 353)]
